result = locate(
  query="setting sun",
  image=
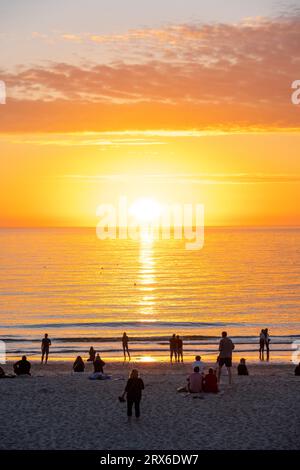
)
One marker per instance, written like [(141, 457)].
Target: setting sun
[(145, 210)]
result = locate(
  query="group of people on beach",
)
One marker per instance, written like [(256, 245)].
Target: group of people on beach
[(176, 350), (197, 382)]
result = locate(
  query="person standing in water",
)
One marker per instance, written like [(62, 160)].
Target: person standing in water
[(173, 348), (46, 343), (179, 347), (267, 343), (92, 354), (261, 345), (125, 341)]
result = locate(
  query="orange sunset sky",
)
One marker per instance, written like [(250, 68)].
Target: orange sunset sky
[(180, 101)]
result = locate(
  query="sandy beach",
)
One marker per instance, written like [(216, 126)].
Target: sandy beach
[(54, 409)]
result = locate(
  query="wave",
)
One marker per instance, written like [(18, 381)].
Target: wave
[(124, 324), (286, 339), (134, 351)]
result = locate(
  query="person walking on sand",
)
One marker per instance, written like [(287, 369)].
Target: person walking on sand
[(261, 345), (179, 348), (133, 392), (125, 341), (226, 347), (173, 348), (46, 343)]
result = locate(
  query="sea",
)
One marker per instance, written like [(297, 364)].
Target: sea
[(85, 292)]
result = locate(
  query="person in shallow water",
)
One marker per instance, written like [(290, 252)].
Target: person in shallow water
[(267, 342), (133, 392), (92, 354), (22, 367), (261, 345), (179, 348), (173, 348), (78, 365), (125, 341), (46, 343)]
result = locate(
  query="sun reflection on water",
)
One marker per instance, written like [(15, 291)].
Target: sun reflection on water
[(147, 278)]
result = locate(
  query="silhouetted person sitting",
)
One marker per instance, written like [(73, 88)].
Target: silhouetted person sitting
[(195, 381), (297, 369), (98, 364), (198, 363), (22, 367), (78, 365), (92, 354), (133, 389), (210, 383), (242, 368)]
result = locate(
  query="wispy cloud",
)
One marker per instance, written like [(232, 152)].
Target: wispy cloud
[(206, 76), (193, 178)]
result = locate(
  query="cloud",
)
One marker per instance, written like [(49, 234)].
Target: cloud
[(197, 179), (207, 76)]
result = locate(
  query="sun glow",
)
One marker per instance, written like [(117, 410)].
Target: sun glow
[(145, 210), (146, 359)]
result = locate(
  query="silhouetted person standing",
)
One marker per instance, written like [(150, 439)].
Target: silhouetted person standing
[(179, 348), (133, 390), (173, 348), (92, 354), (46, 343), (261, 345), (297, 369), (267, 343), (22, 367), (226, 347), (125, 341)]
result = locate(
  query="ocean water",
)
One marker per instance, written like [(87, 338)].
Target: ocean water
[(83, 291)]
